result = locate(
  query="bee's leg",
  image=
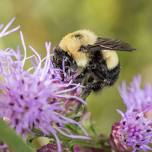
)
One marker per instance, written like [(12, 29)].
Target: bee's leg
[(82, 77), (94, 86), (86, 92)]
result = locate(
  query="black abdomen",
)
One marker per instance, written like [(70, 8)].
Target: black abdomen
[(101, 75)]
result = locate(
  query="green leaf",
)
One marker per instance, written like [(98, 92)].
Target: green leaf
[(8, 136)]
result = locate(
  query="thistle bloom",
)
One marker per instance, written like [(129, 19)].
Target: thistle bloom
[(134, 131), (36, 97)]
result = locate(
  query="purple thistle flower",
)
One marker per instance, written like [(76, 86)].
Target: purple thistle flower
[(134, 131), (136, 98), (36, 97)]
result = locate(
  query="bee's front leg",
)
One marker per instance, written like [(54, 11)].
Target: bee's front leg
[(94, 86)]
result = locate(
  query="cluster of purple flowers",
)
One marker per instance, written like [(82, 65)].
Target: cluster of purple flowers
[(134, 131), (35, 98), (38, 98)]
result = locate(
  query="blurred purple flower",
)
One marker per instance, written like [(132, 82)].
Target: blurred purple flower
[(3, 147), (36, 97), (136, 98), (134, 131)]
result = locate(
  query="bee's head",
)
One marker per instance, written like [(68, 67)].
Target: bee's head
[(73, 41)]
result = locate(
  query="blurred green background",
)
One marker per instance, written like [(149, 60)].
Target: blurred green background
[(128, 20)]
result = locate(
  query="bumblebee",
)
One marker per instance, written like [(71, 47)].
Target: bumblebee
[(93, 58)]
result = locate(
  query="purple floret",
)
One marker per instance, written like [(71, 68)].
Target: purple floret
[(134, 131)]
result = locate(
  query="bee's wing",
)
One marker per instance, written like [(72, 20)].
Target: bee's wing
[(109, 44)]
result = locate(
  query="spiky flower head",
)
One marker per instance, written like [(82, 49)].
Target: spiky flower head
[(134, 131), (36, 98)]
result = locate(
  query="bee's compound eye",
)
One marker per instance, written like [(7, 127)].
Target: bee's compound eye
[(78, 36)]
